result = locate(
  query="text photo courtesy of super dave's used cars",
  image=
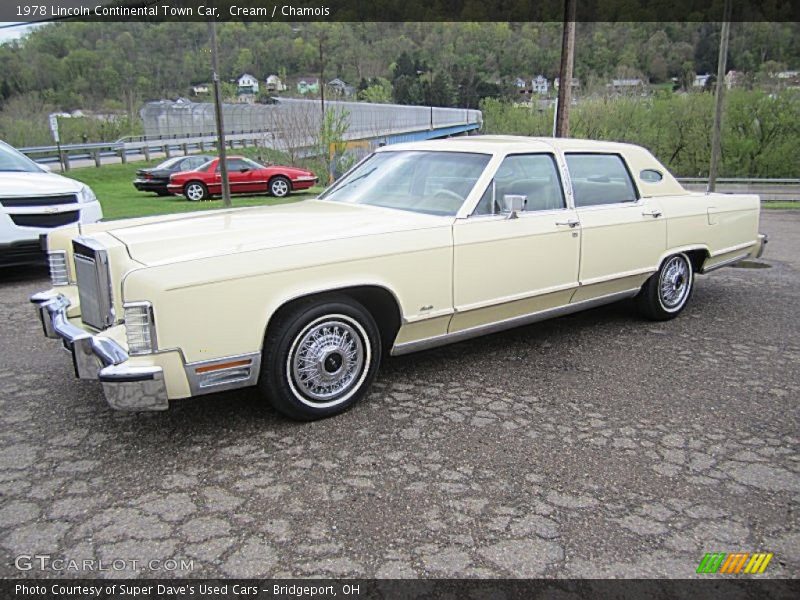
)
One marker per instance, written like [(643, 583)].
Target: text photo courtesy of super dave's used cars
[(419, 245)]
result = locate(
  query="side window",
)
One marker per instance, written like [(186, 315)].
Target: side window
[(600, 179), (534, 176), (235, 164)]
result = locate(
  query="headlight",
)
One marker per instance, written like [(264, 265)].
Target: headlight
[(140, 327), (58, 267), (86, 195)]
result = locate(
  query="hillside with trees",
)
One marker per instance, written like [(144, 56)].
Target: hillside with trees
[(118, 65), (115, 67)]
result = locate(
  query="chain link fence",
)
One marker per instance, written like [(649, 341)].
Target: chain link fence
[(290, 119)]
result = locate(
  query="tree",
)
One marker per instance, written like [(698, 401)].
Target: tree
[(442, 90), (378, 90)]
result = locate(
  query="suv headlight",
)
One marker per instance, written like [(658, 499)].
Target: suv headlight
[(140, 327), (86, 195)]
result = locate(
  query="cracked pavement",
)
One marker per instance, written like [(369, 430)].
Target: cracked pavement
[(595, 445)]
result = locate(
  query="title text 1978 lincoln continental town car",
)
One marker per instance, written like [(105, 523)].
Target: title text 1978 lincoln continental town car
[(418, 245)]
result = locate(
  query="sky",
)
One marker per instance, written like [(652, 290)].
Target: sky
[(12, 33)]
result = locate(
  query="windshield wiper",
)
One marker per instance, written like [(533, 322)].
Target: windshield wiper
[(355, 179)]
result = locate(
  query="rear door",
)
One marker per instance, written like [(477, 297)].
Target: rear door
[(623, 234)]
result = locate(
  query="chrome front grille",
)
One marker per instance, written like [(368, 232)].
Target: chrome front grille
[(94, 289)]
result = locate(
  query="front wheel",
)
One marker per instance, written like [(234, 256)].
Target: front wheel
[(195, 191), (320, 358), (280, 187), (666, 293)]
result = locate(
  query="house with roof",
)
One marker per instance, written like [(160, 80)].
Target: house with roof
[(540, 85), (273, 83), (246, 84), (701, 81), (308, 85)]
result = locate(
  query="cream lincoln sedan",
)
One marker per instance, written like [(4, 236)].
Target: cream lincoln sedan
[(418, 245)]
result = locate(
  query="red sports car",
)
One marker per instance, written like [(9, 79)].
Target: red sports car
[(245, 176)]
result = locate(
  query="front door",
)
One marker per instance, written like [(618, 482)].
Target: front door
[(506, 268), (623, 235)]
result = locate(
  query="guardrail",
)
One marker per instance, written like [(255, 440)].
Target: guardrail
[(123, 149), (769, 189)]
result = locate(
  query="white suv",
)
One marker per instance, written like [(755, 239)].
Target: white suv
[(32, 202)]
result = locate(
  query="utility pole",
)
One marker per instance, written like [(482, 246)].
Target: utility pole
[(223, 159), (716, 134), (565, 76), (322, 39)]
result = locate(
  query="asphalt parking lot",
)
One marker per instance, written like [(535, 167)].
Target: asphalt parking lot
[(595, 445)]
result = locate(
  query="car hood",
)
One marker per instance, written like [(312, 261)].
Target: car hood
[(204, 234), (15, 183)]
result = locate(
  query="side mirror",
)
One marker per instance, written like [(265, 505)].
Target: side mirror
[(513, 203), (244, 170), (45, 168)]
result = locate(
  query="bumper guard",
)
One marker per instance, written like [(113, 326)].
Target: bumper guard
[(763, 239), (137, 388)]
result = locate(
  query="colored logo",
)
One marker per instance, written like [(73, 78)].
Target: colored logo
[(734, 564)]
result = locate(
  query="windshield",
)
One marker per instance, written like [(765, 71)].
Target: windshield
[(13, 160), (435, 183)]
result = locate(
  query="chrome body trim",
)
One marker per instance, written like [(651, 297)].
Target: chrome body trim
[(622, 275), (230, 378), (725, 263), (464, 308), (465, 334), (126, 387), (733, 248)]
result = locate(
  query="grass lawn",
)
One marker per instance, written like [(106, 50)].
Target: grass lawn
[(113, 185), (783, 205)]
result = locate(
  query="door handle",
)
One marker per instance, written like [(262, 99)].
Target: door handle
[(571, 223), (652, 213)]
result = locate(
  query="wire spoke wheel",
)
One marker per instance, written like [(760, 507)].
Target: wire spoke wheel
[(328, 359), (675, 282)]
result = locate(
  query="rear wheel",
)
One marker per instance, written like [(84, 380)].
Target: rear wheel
[(280, 186), (668, 290), (320, 358), (195, 191)]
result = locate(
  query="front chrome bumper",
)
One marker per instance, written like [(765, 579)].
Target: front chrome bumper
[(126, 387)]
